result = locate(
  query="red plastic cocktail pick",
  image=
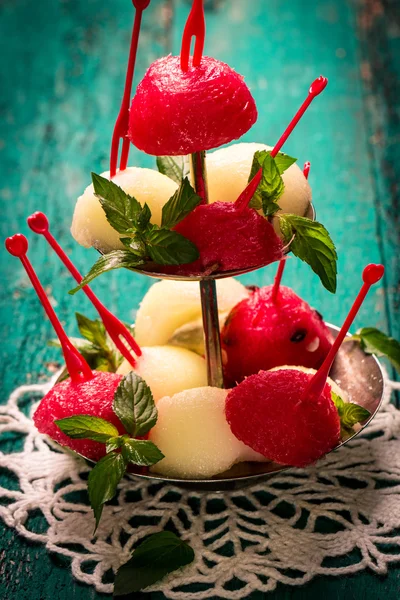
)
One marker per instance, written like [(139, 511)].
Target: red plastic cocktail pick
[(78, 369), (316, 88), (277, 280), (249, 191), (122, 122), (195, 27), (39, 223), (371, 275)]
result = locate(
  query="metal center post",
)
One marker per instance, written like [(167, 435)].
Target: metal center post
[(208, 291)]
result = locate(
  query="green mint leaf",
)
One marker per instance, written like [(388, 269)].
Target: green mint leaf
[(284, 161), (174, 167), (94, 331), (143, 218), (116, 259), (87, 427), (103, 481), (120, 208), (156, 557), (98, 359), (103, 364), (313, 245), (141, 452), (354, 413), (134, 405), (373, 341), (166, 247), (271, 185), (338, 402), (349, 414), (136, 245), (269, 207), (179, 205), (115, 442)]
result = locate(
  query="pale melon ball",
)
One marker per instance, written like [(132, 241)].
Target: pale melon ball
[(170, 304), (168, 370), (194, 436), (228, 171), (191, 335), (335, 388), (89, 224)]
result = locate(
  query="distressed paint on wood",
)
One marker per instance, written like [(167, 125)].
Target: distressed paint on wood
[(59, 98)]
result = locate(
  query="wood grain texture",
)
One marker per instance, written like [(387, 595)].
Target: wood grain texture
[(379, 33), (62, 69)]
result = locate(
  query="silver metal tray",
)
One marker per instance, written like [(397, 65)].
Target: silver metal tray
[(358, 374)]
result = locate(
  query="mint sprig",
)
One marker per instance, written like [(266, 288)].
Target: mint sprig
[(174, 167), (373, 341), (349, 414), (144, 241), (157, 556), (271, 186), (311, 242), (134, 406), (103, 481)]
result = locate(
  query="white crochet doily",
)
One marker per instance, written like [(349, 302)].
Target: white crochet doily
[(336, 518)]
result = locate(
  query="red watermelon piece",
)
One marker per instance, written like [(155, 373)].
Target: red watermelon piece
[(228, 239), (267, 412), (178, 112), (65, 399), (260, 334)]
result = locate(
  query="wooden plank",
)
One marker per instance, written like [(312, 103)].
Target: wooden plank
[(60, 109), (379, 33)]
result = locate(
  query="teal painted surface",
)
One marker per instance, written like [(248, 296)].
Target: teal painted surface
[(62, 68)]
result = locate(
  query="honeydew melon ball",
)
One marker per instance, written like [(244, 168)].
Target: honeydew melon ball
[(170, 304), (228, 170), (168, 370), (89, 224), (334, 386), (194, 436)]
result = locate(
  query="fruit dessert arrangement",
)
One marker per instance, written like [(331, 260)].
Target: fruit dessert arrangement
[(148, 399)]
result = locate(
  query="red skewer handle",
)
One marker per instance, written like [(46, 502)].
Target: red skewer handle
[(78, 369), (278, 279), (371, 275), (122, 122), (249, 191), (195, 27), (306, 169), (315, 89), (39, 223)]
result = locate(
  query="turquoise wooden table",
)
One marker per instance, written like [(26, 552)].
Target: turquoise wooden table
[(62, 68)]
